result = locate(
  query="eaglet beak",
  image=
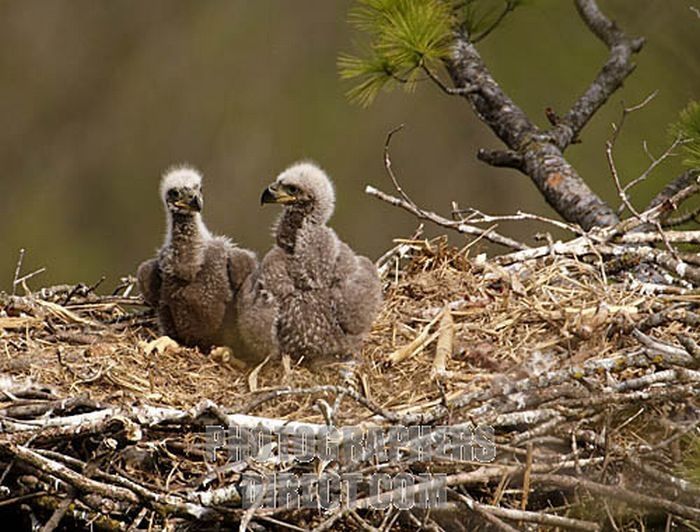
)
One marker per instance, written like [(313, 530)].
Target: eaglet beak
[(193, 204), (275, 194)]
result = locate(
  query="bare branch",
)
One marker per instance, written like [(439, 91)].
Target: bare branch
[(618, 66), (656, 161), (542, 159), (690, 237), (501, 158), (620, 493), (683, 181), (691, 216), (18, 269), (477, 217), (451, 91), (487, 234), (621, 192), (508, 8), (388, 165), (405, 202), (531, 517)]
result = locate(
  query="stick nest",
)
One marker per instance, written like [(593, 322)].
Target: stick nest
[(588, 379)]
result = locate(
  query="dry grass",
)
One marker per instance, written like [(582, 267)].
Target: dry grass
[(561, 313), (527, 341)]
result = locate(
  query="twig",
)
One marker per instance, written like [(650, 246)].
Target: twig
[(655, 161), (622, 192), (387, 414), (501, 158), (452, 91), (487, 513), (445, 343), (408, 204), (671, 193), (18, 268), (329, 523), (532, 517), (689, 237), (526, 478), (460, 227), (610, 77), (389, 169), (620, 493), (478, 217), (692, 215), (58, 513), (508, 8)]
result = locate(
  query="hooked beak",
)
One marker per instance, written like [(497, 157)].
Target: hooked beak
[(194, 204), (274, 194)]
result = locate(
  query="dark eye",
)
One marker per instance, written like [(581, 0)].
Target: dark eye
[(173, 194), (293, 189)]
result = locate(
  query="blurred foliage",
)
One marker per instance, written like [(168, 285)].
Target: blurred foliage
[(99, 97), (690, 467), (404, 35), (687, 128)]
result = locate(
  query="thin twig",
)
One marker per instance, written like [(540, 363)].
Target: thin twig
[(18, 268), (460, 227), (508, 8)]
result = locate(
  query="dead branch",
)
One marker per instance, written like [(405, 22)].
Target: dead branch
[(620, 493), (501, 158), (610, 78), (687, 180), (487, 234), (687, 237), (531, 517), (475, 216), (540, 154)]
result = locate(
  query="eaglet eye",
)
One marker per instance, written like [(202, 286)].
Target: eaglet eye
[(173, 194), (293, 189)]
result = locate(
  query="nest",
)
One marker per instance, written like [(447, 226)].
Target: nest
[(586, 376)]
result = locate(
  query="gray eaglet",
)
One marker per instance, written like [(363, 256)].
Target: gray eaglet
[(311, 296), (194, 280)]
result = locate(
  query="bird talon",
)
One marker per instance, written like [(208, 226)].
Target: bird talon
[(160, 345), (224, 355)]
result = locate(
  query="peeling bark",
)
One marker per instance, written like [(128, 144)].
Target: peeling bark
[(542, 159), (539, 154)]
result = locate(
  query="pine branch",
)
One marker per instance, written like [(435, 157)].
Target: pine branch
[(542, 159)]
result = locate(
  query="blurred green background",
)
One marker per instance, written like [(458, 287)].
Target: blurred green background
[(97, 98)]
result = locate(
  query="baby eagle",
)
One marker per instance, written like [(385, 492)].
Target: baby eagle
[(194, 279), (311, 296)]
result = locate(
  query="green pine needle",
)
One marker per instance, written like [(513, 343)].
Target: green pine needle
[(688, 129), (373, 71), (404, 35)]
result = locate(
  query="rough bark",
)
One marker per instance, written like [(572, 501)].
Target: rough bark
[(685, 180), (539, 154), (610, 78)]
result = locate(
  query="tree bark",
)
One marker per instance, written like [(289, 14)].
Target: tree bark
[(536, 153)]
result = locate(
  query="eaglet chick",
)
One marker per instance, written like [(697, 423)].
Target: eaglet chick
[(312, 296), (194, 280)]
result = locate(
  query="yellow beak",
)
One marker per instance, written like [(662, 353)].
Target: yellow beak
[(274, 194)]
